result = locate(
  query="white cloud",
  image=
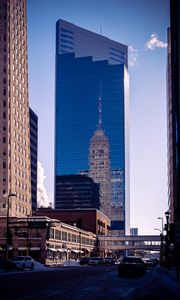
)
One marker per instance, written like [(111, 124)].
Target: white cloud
[(154, 42), (133, 53), (42, 197)]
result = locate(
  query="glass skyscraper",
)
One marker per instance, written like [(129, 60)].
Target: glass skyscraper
[(34, 154), (84, 60), (173, 111)]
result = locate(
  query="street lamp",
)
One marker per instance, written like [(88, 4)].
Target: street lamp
[(161, 236), (160, 218), (7, 224), (162, 239), (167, 214)]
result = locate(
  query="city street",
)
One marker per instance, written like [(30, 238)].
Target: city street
[(86, 282)]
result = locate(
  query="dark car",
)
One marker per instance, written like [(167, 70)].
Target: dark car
[(84, 261), (131, 266), (109, 261), (96, 261)]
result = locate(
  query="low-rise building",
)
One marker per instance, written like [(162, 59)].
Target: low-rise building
[(89, 219), (45, 239)]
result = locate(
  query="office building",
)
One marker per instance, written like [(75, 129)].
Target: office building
[(34, 154), (174, 111), (84, 60), (77, 191), (15, 166)]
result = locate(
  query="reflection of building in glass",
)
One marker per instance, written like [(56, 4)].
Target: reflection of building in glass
[(34, 152), (134, 231), (117, 202), (77, 191), (99, 161), (83, 60)]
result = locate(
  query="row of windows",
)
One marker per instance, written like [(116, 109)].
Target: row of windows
[(19, 172), (64, 236), (66, 30), (117, 55), (19, 208), (20, 184), (67, 42), (66, 47), (19, 124), (118, 51), (117, 60), (19, 160)]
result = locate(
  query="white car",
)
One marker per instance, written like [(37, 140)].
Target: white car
[(23, 262)]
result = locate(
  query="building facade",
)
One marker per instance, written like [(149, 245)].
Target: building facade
[(83, 60), (90, 219), (173, 111), (15, 176), (46, 240), (34, 154), (77, 191)]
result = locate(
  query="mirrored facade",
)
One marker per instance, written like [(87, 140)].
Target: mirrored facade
[(84, 60)]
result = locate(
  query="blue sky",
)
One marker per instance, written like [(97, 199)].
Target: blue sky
[(131, 22)]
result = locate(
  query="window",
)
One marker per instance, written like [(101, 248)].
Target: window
[(66, 30), (4, 165)]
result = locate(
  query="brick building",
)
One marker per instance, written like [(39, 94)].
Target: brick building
[(46, 239), (86, 219)]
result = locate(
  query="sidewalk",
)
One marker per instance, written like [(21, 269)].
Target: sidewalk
[(160, 285), (46, 267)]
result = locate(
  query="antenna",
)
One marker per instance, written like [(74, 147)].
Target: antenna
[(101, 29)]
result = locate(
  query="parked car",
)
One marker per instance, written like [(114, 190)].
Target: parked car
[(131, 265), (96, 261), (23, 262), (84, 261), (109, 261), (151, 262)]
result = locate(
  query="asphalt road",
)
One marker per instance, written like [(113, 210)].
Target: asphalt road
[(73, 283)]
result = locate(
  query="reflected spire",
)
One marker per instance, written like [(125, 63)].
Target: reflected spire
[(100, 108)]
